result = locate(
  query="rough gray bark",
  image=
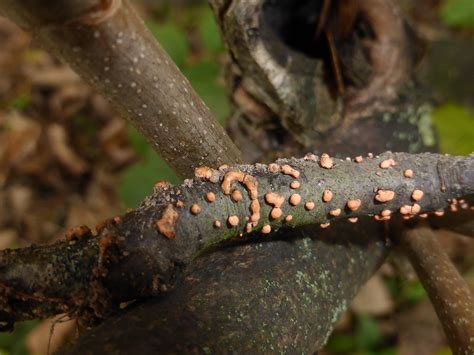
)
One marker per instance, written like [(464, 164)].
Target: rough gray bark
[(287, 310), (109, 46)]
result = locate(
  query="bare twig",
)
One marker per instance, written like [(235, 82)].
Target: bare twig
[(109, 46), (449, 293)]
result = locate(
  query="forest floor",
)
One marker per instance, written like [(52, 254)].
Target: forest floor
[(67, 159)]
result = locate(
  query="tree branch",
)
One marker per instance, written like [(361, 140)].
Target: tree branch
[(460, 221), (450, 294), (270, 295), (109, 46), (142, 253)]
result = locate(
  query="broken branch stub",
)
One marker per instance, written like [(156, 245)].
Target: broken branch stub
[(142, 252)]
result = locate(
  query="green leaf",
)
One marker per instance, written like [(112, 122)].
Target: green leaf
[(458, 13), (173, 40), (455, 124)]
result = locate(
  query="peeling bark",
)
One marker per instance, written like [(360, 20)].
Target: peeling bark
[(109, 46)]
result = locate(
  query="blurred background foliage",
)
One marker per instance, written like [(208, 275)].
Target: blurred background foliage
[(191, 37)]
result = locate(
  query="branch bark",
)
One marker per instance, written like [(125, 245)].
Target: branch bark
[(448, 291), (461, 222), (240, 299), (142, 253), (109, 46)]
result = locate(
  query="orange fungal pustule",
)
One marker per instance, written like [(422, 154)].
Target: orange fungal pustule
[(210, 197), (273, 168), (195, 209), (295, 199), (274, 199), (387, 163), (166, 225), (276, 213), (384, 195), (408, 173), (325, 161), (354, 205), (327, 195), (233, 220), (417, 195), (236, 196), (295, 184), (203, 172), (288, 170)]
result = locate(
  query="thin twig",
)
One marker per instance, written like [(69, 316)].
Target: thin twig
[(448, 291)]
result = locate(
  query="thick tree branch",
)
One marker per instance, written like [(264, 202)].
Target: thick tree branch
[(142, 252), (277, 295), (450, 294), (109, 46)]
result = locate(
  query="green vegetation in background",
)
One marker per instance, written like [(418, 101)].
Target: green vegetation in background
[(172, 38), (458, 13), (202, 70), (455, 125), (21, 101), (366, 339), (413, 293), (405, 292), (444, 351), (14, 343), (137, 182), (209, 32)]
